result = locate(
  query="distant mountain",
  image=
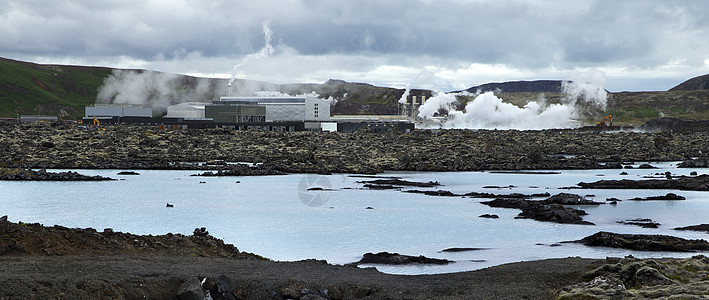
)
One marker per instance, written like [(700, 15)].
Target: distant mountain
[(537, 86), (696, 83)]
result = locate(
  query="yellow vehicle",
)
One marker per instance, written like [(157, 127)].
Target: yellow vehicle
[(97, 123), (609, 118)]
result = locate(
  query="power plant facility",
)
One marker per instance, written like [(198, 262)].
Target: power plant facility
[(282, 113), (118, 110), (269, 109)]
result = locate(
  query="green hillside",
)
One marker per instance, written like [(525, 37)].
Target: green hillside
[(27, 88)]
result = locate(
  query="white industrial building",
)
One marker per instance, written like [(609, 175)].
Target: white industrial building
[(118, 110), (187, 110), (297, 108)]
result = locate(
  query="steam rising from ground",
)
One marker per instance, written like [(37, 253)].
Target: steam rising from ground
[(584, 94), (426, 75), (155, 89)]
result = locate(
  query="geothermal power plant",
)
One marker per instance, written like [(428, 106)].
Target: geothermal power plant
[(282, 113)]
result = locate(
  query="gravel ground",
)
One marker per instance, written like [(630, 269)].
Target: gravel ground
[(159, 277)]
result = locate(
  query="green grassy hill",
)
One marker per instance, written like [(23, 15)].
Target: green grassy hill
[(27, 88)]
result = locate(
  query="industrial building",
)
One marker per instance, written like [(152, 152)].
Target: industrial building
[(187, 110), (298, 108), (243, 113), (118, 110)]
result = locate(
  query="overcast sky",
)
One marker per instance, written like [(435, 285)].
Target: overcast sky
[(443, 45)]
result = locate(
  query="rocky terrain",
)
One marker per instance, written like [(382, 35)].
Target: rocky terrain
[(69, 263), (632, 278), (43, 175), (59, 145)]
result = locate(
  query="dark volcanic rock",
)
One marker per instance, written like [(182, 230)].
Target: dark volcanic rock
[(461, 249), (694, 163), (701, 227), (128, 173), (36, 239), (433, 193), (645, 223), (644, 242), (147, 147), (387, 258), (569, 199), (43, 175), (698, 183), (400, 182), (241, 170), (540, 211), (489, 216), (646, 166), (668, 196)]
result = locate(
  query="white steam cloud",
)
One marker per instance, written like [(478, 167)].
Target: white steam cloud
[(155, 89), (487, 111), (266, 51), (426, 75)]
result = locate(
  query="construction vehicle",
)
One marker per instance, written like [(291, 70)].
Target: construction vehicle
[(97, 123), (603, 122)]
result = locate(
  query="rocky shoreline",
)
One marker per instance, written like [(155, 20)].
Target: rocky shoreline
[(59, 262), (64, 146)]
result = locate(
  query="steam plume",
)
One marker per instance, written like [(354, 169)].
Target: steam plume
[(264, 52), (487, 111), (155, 89), (426, 75)]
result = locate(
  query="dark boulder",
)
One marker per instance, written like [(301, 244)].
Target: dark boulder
[(489, 216), (190, 289)]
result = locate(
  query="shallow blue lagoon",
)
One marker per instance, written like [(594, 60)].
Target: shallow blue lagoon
[(279, 218)]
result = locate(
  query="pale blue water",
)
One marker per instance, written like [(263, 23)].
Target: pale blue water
[(265, 215)]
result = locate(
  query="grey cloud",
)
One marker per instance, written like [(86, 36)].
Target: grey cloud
[(519, 34)]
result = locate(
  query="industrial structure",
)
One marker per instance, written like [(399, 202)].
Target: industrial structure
[(117, 110), (187, 110), (242, 113), (275, 109)]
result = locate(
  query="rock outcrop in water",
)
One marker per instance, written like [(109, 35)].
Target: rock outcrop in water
[(541, 211), (43, 175), (701, 227), (386, 258), (686, 183), (644, 242)]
